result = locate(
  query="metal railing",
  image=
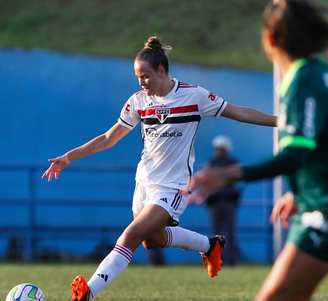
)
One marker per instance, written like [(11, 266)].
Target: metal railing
[(34, 232)]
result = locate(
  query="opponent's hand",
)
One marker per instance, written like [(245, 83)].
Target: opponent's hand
[(57, 165), (210, 179), (205, 182), (284, 208)]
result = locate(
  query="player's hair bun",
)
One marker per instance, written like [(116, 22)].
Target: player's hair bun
[(154, 43), (155, 54)]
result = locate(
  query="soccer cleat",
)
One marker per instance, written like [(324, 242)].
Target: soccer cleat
[(80, 289), (212, 259)]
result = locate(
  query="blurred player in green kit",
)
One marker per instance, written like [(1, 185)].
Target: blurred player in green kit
[(293, 31)]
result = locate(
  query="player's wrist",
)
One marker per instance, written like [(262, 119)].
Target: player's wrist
[(233, 173), (67, 158)]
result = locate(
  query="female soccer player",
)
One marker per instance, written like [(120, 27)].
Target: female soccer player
[(293, 31), (170, 112)]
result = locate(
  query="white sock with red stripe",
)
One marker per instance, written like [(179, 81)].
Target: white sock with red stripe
[(178, 237), (113, 265)]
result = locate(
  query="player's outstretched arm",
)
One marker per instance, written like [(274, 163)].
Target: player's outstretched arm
[(249, 115), (104, 141)]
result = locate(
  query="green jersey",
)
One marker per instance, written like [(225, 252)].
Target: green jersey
[(303, 123), (303, 137)]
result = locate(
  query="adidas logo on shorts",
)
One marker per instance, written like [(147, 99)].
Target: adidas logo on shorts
[(164, 200)]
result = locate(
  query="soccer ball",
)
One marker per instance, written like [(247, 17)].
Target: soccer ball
[(25, 292)]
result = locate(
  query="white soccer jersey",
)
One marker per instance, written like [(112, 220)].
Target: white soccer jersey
[(169, 126)]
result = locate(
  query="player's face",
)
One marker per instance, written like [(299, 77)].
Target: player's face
[(149, 79)]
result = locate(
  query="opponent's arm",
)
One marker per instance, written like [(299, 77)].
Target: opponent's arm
[(211, 179), (104, 141), (249, 115)]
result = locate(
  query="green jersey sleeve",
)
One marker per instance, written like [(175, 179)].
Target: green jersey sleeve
[(303, 112)]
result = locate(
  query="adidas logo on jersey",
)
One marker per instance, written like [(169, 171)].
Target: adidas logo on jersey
[(105, 277)]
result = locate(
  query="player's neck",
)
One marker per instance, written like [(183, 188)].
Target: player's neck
[(166, 88), (284, 61)]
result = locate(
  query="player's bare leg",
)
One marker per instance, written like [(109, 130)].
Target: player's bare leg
[(150, 222), (294, 276), (156, 240)]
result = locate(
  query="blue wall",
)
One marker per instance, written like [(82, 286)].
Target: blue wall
[(52, 102)]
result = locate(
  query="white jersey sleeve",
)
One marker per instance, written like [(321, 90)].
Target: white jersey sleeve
[(210, 104), (129, 116)]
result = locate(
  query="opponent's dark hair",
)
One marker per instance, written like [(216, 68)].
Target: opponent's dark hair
[(155, 54), (297, 26)]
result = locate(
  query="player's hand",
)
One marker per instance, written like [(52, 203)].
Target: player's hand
[(205, 182), (57, 165), (210, 179), (284, 208)]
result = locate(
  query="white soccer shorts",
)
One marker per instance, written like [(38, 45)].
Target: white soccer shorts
[(168, 198)]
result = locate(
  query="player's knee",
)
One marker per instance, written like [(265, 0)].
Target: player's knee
[(131, 236)]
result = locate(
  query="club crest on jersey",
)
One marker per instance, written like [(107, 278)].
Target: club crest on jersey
[(162, 114)]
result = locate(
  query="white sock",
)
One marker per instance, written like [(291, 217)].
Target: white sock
[(178, 237), (113, 265)]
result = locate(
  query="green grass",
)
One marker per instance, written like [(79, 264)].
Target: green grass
[(211, 32), (145, 283)]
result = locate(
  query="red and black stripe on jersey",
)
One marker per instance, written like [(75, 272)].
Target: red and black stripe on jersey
[(181, 119), (148, 114)]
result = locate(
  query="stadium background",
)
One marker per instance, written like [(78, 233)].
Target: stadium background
[(58, 97)]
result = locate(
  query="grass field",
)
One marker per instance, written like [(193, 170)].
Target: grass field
[(211, 32), (169, 283)]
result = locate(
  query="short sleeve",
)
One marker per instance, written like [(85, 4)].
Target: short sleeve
[(302, 117), (210, 105), (129, 116)]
